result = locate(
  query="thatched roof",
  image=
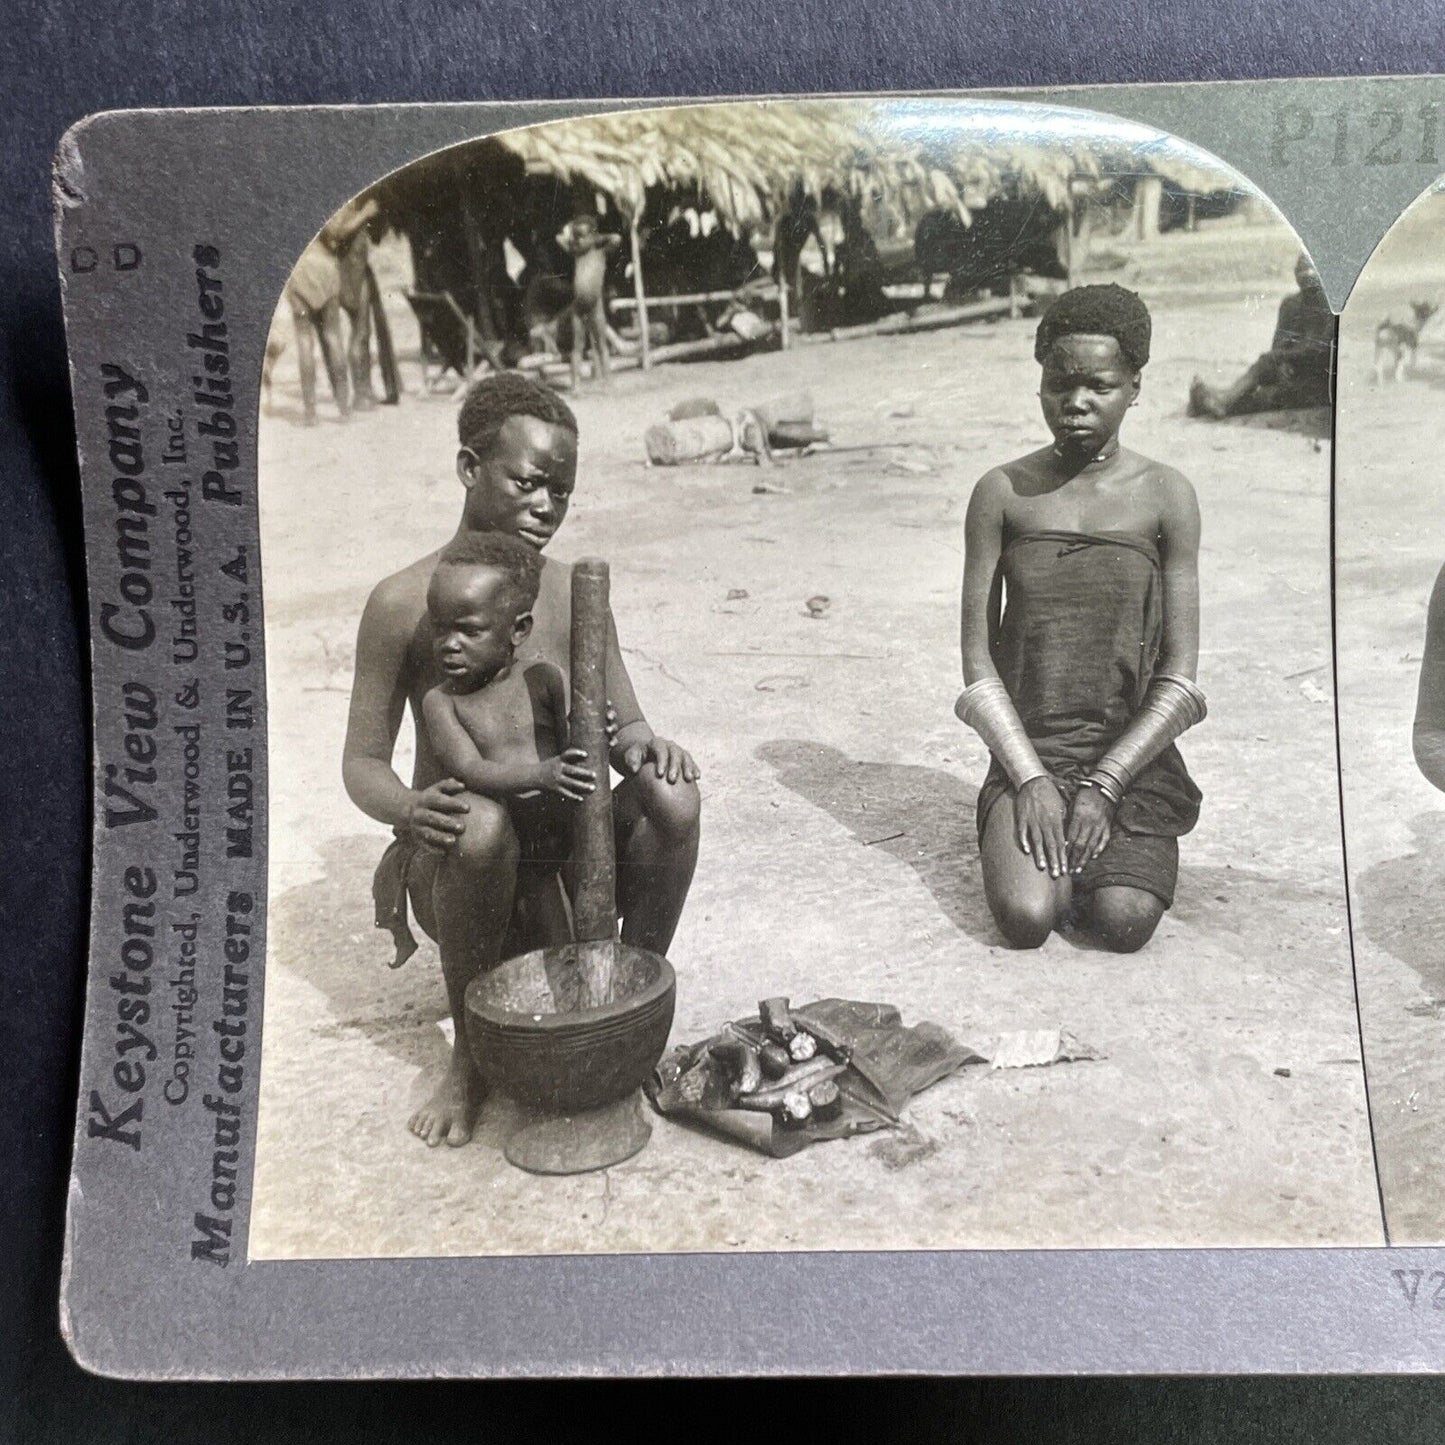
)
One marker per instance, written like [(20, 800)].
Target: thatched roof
[(991, 146), (746, 157), (1189, 170)]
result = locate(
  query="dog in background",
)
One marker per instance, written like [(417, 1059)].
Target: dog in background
[(1396, 342)]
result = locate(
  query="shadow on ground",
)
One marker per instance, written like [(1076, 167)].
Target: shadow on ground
[(1223, 901), (923, 817), (322, 932), (1401, 908), (1313, 422)]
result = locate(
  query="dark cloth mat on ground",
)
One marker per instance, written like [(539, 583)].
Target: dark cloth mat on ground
[(888, 1064)]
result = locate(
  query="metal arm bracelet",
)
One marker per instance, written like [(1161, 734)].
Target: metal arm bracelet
[(1172, 705), (986, 707)]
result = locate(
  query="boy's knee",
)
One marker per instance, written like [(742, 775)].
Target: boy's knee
[(1025, 924), (675, 809), (1125, 922), (487, 839)]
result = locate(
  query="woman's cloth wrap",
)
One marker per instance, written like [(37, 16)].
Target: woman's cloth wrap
[(1076, 625)]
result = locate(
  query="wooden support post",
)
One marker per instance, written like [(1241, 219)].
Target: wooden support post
[(1148, 197), (490, 340), (641, 295), (1081, 227)]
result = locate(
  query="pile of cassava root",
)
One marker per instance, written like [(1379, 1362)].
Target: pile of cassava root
[(791, 1075)]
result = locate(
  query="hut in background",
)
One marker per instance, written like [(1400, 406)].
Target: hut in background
[(1163, 188), (759, 175), (770, 173), (713, 199)]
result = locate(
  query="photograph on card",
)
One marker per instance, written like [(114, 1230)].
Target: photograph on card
[(799, 698), (1390, 589)]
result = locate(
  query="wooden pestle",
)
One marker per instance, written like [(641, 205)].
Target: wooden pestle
[(594, 861)]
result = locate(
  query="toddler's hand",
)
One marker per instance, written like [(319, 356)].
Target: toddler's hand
[(568, 775)]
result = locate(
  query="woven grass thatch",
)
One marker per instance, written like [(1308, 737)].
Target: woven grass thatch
[(1185, 169), (993, 147), (745, 159)]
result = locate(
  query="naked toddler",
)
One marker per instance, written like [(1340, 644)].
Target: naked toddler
[(497, 726)]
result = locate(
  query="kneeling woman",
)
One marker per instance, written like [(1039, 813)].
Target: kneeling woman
[(1080, 645)]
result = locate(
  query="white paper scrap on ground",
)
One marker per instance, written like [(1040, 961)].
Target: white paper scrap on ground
[(1035, 1048)]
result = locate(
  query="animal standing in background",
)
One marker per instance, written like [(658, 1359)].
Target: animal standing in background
[(589, 248), (1397, 342)]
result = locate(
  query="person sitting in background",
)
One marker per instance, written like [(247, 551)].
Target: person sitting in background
[(1294, 372)]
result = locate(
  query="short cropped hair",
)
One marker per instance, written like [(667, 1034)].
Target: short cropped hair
[(1098, 311), (508, 393), (519, 564)]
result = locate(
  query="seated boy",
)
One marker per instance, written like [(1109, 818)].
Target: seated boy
[(499, 726), (456, 856), (1080, 630)]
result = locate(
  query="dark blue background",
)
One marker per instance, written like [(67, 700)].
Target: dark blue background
[(60, 61)]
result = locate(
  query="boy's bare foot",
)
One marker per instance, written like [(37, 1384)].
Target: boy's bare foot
[(448, 1116)]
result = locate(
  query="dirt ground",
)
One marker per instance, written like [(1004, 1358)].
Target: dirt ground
[(1391, 543), (839, 853)]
